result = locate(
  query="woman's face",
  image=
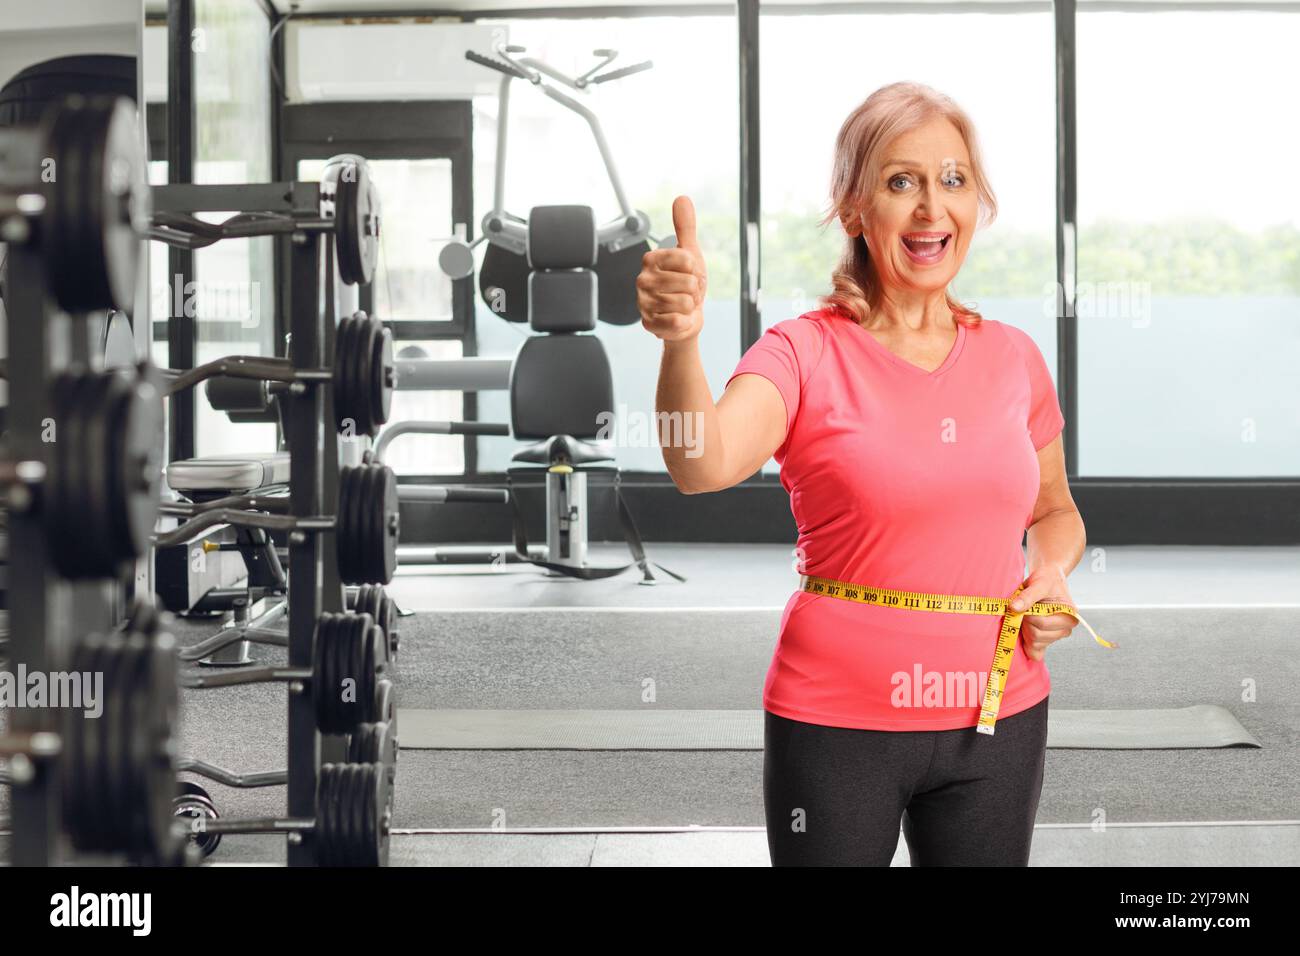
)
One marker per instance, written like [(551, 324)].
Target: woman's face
[(925, 193)]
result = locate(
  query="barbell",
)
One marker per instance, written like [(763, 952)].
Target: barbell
[(363, 376), (366, 528)]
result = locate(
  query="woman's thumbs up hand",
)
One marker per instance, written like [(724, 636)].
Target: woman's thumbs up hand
[(671, 287)]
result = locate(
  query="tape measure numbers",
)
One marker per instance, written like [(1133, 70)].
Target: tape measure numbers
[(957, 604)]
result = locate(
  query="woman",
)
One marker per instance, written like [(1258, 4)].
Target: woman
[(917, 441)]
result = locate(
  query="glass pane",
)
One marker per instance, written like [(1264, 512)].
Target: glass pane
[(998, 67), (233, 298), (416, 196), (428, 454), (671, 131), (416, 204), (1189, 240)]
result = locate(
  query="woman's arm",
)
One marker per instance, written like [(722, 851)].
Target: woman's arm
[(1056, 535), (732, 439)]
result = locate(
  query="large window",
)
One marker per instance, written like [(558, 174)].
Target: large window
[(1189, 244), (672, 130), (415, 196)]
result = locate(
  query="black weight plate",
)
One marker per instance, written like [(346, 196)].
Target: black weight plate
[(386, 703), (370, 380), (66, 216), (357, 823), (138, 471), (355, 512), (357, 516), (346, 537), (363, 743), (356, 410), (324, 672), (327, 678), (78, 813), (344, 397), (361, 672), (389, 615), (99, 201), (358, 810), (374, 669), (368, 504), (371, 224), (372, 600), (347, 243), (359, 363), (123, 745), (507, 272), (159, 703), (91, 480), (188, 788), (616, 274), (364, 603), (56, 510), (369, 526), (125, 199), (95, 540), (109, 429), (380, 815), (325, 832), (371, 810), (391, 526), (383, 377), (190, 806), (319, 646), (109, 730), (65, 511), (135, 765), (357, 223)]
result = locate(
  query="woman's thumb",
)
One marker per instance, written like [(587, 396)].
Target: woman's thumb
[(684, 223)]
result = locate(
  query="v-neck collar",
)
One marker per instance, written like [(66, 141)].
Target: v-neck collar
[(948, 362)]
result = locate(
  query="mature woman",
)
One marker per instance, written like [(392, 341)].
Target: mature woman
[(918, 440)]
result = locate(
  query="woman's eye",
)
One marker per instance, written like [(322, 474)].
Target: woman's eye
[(956, 180)]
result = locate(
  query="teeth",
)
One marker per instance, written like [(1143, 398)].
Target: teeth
[(924, 246)]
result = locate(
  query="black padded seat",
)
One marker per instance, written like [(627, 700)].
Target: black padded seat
[(563, 448)]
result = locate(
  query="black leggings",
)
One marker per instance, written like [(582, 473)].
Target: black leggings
[(834, 795)]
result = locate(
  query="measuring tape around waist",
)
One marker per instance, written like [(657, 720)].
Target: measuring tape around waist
[(957, 604)]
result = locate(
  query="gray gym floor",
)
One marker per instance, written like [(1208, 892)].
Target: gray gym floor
[(1194, 623)]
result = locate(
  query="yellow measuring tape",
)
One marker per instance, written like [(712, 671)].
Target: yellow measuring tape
[(957, 604)]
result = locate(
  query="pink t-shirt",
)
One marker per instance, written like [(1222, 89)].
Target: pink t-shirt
[(902, 478)]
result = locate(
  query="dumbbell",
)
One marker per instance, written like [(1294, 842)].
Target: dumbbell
[(346, 647), (97, 490), (118, 771), (366, 527), (363, 377), (350, 827), (372, 599), (369, 743)]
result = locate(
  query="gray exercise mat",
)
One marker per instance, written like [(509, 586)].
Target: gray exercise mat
[(1199, 726)]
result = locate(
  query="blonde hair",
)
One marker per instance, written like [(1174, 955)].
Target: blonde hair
[(859, 152)]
